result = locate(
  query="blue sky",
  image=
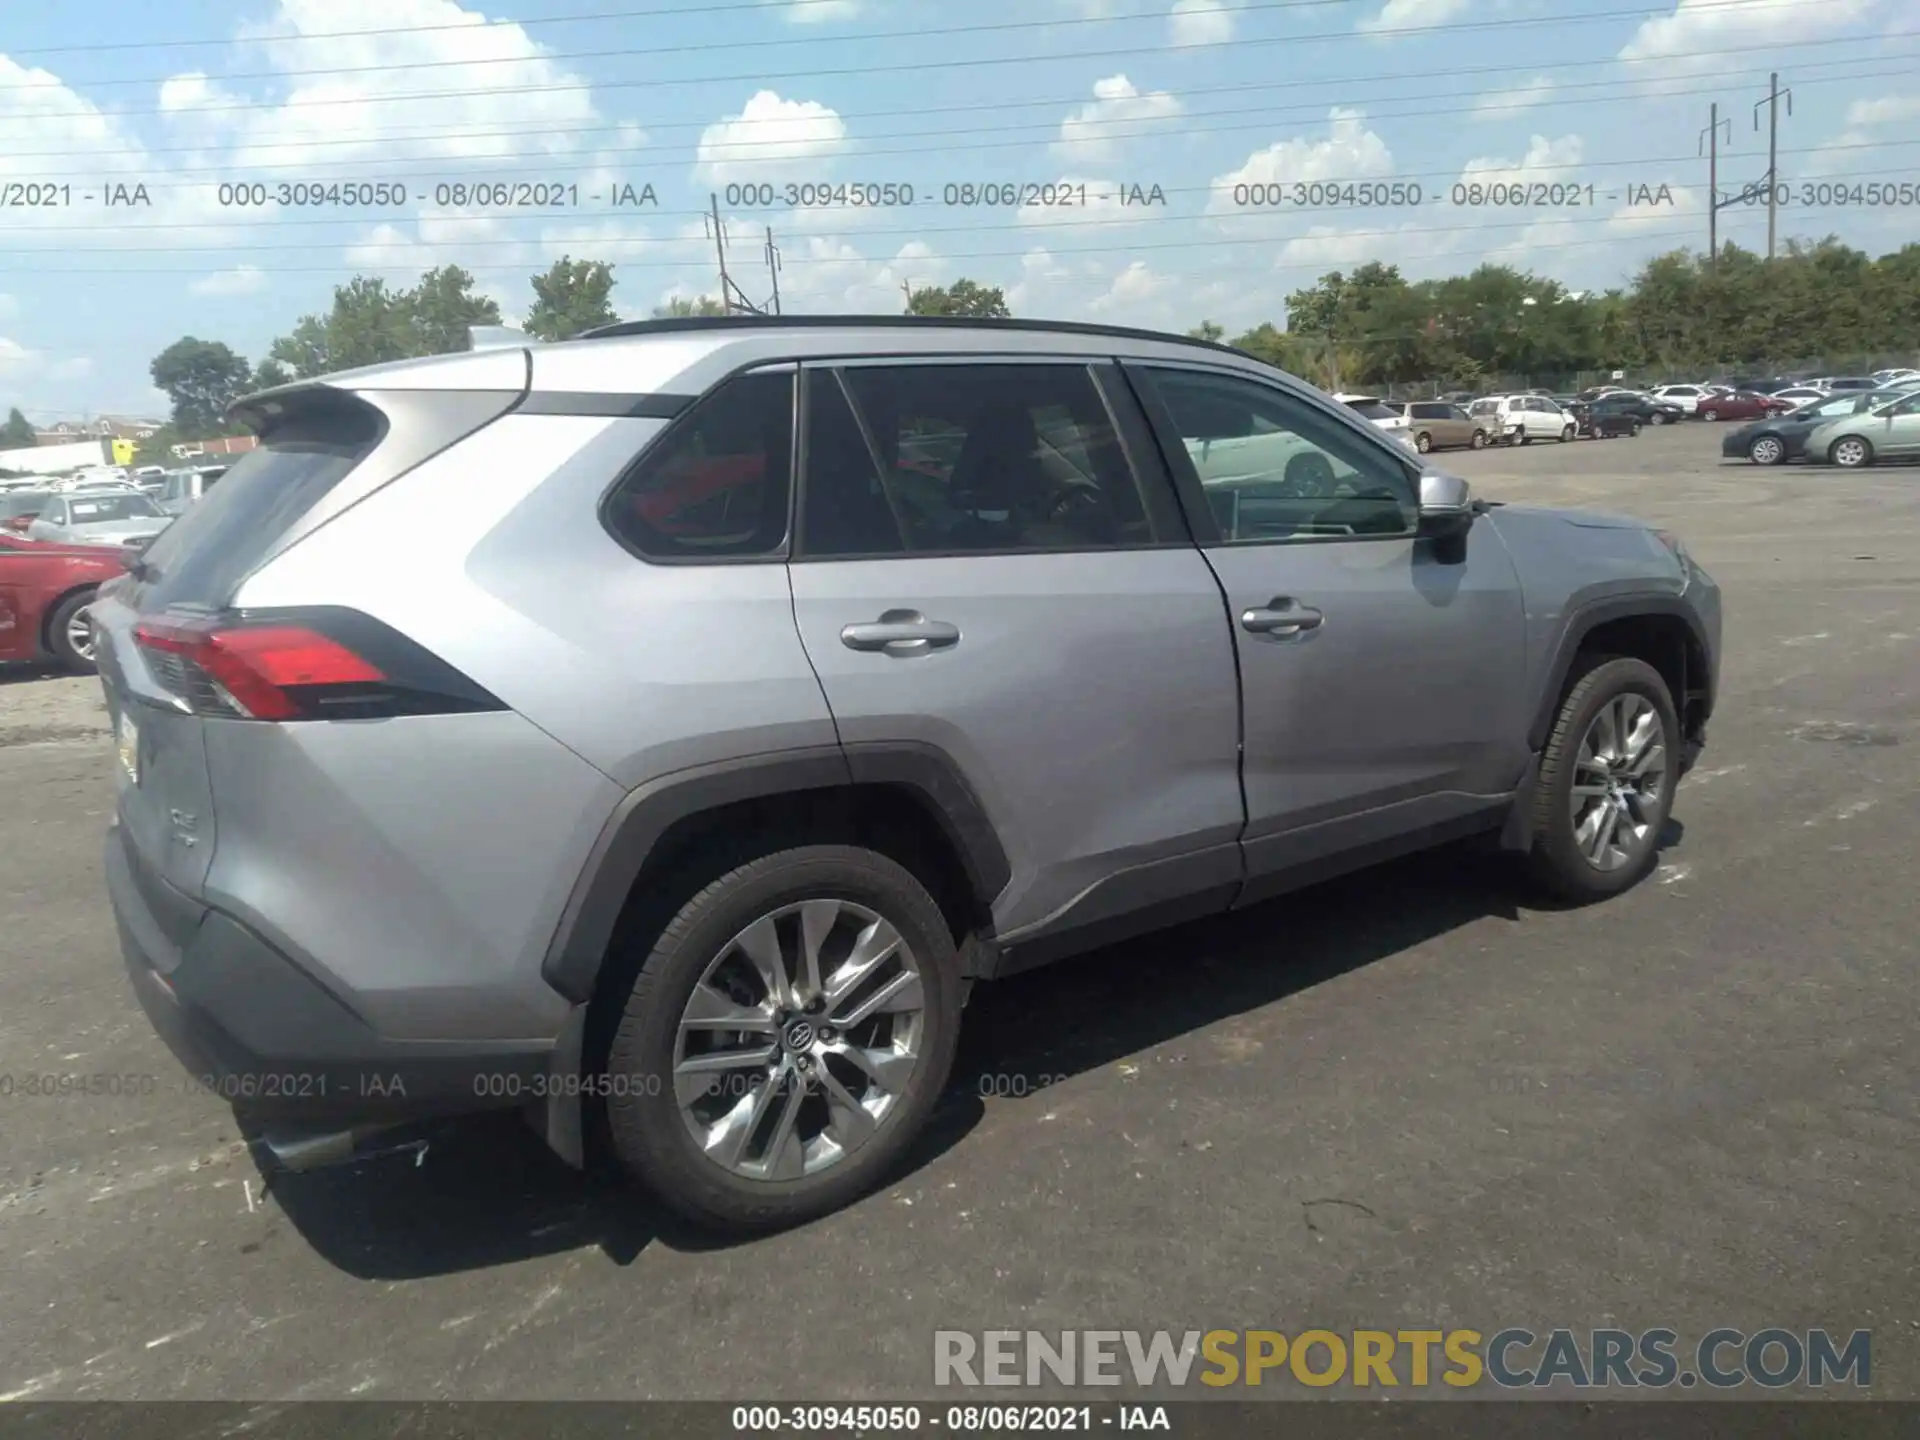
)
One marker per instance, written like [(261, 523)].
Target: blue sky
[(1200, 98)]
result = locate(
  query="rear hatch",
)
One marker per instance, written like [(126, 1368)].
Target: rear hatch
[(156, 697)]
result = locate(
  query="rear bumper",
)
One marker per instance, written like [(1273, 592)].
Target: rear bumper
[(259, 1032)]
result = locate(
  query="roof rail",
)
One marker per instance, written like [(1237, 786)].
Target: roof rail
[(683, 324)]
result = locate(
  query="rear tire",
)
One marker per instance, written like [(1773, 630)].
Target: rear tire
[(70, 634), (1423, 442), (695, 965), (1568, 433), (1583, 750), (1659, 417), (1709, 414), (1479, 441)]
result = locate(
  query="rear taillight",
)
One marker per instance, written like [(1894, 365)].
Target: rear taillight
[(302, 665)]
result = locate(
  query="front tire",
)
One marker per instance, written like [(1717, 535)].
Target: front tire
[(1659, 417), (1479, 441), (1567, 433), (70, 634), (1423, 442), (785, 1040), (1709, 414), (1768, 450), (1606, 781), (1851, 452)]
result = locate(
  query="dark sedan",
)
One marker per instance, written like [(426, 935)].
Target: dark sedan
[(1780, 438), (1643, 408), (1597, 424)]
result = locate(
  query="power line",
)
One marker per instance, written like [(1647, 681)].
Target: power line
[(654, 13), (1151, 126), (1156, 246), (1392, 80), (868, 71), (785, 42)]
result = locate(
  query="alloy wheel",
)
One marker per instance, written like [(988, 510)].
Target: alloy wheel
[(799, 1039), (1850, 451), (1767, 451), (1619, 782)]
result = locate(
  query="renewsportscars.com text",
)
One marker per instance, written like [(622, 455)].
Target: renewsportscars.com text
[(1511, 1358)]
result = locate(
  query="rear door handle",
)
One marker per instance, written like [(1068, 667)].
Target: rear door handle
[(1280, 616), (901, 632)]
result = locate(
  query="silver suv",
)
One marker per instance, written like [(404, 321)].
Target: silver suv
[(661, 731)]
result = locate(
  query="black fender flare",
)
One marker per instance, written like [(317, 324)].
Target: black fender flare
[(1581, 621), (580, 942)]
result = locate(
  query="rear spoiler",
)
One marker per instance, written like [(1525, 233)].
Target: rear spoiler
[(490, 367)]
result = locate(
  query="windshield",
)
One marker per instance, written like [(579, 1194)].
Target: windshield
[(106, 509), (23, 502), (1372, 409)]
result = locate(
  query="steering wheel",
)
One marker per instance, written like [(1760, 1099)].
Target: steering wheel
[(1068, 504)]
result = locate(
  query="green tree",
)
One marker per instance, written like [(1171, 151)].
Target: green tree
[(441, 309), (1208, 330), (269, 374), (963, 297), (369, 324), (572, 296), (681, 308), (201, 378), (17, 433)]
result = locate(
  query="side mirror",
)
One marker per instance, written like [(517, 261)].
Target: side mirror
[(1446, 506)]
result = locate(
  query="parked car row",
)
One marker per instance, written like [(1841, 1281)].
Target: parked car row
[(1850, 429)]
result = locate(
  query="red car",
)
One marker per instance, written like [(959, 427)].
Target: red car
[(1741, 405), (44, 593)]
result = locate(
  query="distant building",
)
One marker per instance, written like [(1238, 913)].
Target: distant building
[(220, 445), (101, 427)]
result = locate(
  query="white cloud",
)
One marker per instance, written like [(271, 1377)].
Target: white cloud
[(1118, 111), (819, 12), (1505, 104), (1350, 151), (241, 280), (769, 133), (1887, 110), (1546, 160), (1411, 15), (16, 359), (1694, 34), (1200, 22)]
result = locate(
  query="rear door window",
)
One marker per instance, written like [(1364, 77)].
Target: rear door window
[(201, 558)]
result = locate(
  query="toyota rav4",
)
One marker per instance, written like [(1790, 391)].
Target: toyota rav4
[(661, 731)]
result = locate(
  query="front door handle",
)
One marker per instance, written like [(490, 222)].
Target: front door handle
[(1280, 616), (901, 632)]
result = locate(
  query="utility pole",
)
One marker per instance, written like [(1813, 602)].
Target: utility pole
[(773, 268), (720, 250), (1711, 135), (906, 289), (731, 295), (1774, 96)]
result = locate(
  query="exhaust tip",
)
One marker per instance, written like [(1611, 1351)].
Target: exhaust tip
[(297, 1151)]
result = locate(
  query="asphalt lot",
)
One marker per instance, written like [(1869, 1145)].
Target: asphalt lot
[(1408, 1099)]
